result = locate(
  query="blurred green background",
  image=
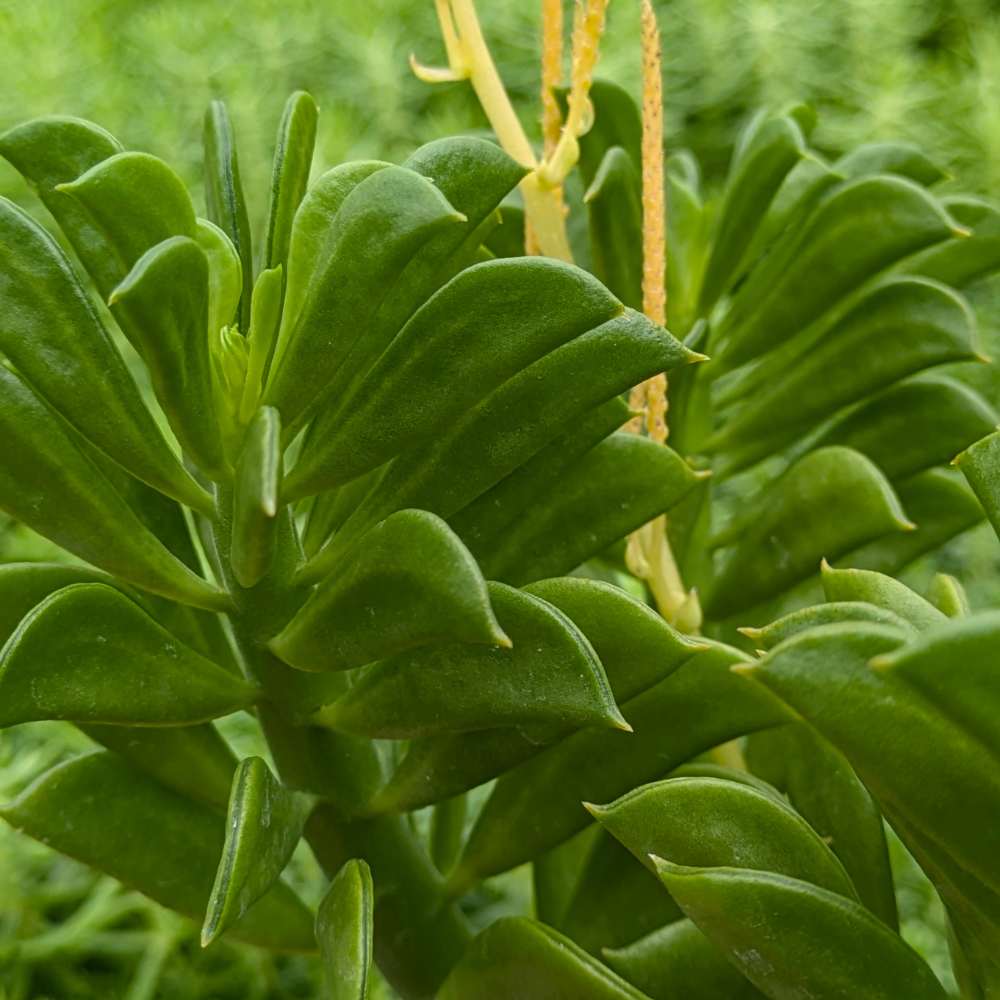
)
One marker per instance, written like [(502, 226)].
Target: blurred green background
[(924, 70)]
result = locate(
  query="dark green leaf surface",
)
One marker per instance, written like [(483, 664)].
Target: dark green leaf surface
[(344, 932), (263, 827), (104, 812), (484, 326), (960, 261), (794, 529), (793, 939), (89, 654), (914, 425), (551, 675), (258, 480), (714, 823), (381, 224), (410, 582), (882, 591), (55, 150), (51, 333), (512, 424), (679, 961), (224, 197), (980, 464), (515, 957), (537, 805), (49, 484), (857, 230), (165, 296), (615, 488)]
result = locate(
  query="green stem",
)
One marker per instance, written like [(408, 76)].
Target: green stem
[(418, 934)]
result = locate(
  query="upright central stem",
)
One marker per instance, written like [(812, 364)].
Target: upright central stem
[(419, 935)]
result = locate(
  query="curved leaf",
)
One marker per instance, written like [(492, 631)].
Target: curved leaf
[(263, 827), (882, 591), (224, 198), (50, 485), (679, 961), (793, 530), (53, 335), (618, 486), (822, 614), (165, 297), (225, 276), (550, 675), (381, 224), (519, 957), (89, 654), (484, 326), (138, 831), (960, 261), (791, 938), (344, 932), (948, 595), (858, 229), (713, 823), (538, 804), (410, 582), (255, 504), (980, 464), (903, 158)]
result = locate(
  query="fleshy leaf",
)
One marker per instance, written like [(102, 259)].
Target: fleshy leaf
[(258, 478), (344, 932), (882, 591)]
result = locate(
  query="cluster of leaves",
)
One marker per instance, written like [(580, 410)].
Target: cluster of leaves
[(396, 444)]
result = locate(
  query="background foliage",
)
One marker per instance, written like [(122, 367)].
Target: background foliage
[(925, 70)]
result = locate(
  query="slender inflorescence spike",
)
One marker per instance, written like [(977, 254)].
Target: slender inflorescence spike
[(552, 56)]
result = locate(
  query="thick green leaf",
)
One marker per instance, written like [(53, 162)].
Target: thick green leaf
[(193, 760), (519, 957), (381, 224), (258, 479), (790, 938), (825, 791), (858, 229), (330, 509), (714, 823), (263, 827), (165, 296), (914, 425), (980, 464), (940, 503), (614, 209), (50, 485), (882, 591), (617, 122), (944, 783), (136, 201), (225, 276), (483, 327), (615, 900), (821, 614), (679, 961), (89, 654), (410, 582), (104, 812), (904, 325), (265, 313), (953, 665), (756, 175), (948, 595), (538, 804), (792, 528), (447, 827), (903, 158), (510, 425), (550, 675), (615, 488), (636, 647), (344, 932), (293, 156), (479, 522), (52, 334), (224, 198), (960, 261), (689, 227), (55, 150)]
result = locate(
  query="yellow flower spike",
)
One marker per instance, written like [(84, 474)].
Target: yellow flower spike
[(469, 58), (588, 28)]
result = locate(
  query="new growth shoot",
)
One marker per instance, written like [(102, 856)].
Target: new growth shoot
[(469, 59)]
